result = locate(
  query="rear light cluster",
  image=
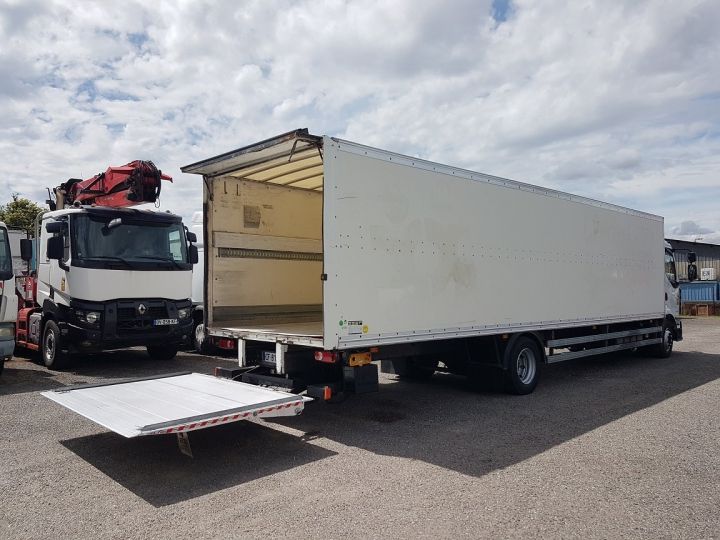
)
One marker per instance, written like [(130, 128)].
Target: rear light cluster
[(328, 357), (224, 343)]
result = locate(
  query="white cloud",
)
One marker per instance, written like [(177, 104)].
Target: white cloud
[(618, 101)]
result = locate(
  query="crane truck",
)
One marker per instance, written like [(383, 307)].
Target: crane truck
[(107, 276), (325, 258)]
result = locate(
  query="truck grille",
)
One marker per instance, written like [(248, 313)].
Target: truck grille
[(129, 320)]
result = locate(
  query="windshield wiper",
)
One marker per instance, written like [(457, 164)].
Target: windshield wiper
[(164, 259), (110, 258)]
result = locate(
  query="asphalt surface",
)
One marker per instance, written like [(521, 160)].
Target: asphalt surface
[(621, 446)]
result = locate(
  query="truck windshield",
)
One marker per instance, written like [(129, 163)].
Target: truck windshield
[(103, 241), (6, 269)]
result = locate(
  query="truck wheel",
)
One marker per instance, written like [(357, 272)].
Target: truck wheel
[(162, 352), (199, 338), (52, 354), (665, 348), (523, 367)]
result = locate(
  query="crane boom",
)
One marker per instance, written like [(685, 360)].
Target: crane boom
[(137, 182)]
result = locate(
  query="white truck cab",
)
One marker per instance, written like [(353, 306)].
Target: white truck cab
[(111, 278), (8, 299)]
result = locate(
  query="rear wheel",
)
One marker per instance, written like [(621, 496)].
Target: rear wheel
[(523, 366), (52, 354), (162, 352)]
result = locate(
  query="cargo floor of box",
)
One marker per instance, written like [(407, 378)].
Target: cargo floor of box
[(301, 333), (175, 403)]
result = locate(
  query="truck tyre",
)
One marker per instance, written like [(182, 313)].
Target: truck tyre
[(162, 352), (523, 366), (53, 356), (665, 348), (199, 341)]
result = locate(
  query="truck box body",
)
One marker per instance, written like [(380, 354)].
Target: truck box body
[(323, 242)]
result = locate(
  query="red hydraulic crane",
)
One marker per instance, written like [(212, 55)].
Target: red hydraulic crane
[(137, 182)]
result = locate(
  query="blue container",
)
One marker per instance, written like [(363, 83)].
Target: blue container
[(699, 291)]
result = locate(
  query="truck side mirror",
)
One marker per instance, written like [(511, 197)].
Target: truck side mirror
[(54, 227), (193, 254), (691, 257), (191, 237), (26, 249), (55, 248)]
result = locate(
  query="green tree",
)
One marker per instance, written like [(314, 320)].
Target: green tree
[(20, 213)]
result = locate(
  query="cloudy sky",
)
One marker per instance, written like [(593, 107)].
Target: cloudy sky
[(618, 101)]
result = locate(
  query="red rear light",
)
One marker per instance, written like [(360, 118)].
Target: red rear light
[(326, 356), (226, 343)]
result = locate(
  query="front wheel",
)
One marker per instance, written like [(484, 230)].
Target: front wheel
[(162, 352), (523, 367), (199, 340), (665, 347), (52, 354)]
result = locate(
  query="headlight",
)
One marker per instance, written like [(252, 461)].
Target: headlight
[(184, 313), (88, 317), (7, 332)]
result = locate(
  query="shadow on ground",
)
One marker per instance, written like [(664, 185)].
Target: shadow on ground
[(443, 423), (225, 456), (27, 374), (18, 377)]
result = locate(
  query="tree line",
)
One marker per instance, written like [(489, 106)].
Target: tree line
[(20, 213)]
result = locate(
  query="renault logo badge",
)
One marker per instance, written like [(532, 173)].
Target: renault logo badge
[(141, 309)]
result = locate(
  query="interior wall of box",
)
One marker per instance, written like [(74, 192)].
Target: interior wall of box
[(265, 256)]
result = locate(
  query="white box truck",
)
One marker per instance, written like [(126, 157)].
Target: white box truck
[(323, 255), (357, 253)]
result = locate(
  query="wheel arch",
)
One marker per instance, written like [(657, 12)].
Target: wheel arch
[(50, 311), (535, 336)]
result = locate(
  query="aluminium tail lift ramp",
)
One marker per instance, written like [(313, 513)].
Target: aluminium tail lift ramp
[(177, 403)]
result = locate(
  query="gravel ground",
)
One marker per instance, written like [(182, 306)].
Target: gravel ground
[(623, 446)]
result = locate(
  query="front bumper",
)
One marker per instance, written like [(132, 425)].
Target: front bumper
[(123, 325), (90, 340), (678, 330)]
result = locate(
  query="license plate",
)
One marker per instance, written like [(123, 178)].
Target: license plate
[(269, 357), (164, 322)]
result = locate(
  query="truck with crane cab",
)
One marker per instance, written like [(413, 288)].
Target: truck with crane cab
[(107, 276)]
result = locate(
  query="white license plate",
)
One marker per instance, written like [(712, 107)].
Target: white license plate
[(164, 322), (269, 357)]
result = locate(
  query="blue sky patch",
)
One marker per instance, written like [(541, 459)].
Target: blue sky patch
[(501, 10)]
